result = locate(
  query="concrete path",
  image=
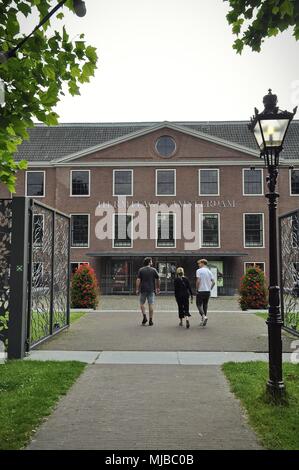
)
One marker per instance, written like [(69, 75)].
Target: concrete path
[(151, 357), (147, 407), (157, 387), (121, 331)]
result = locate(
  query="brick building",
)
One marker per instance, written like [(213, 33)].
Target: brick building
[(84, 169)]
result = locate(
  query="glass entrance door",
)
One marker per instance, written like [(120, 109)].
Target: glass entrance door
[(166, 270), (121, 281)]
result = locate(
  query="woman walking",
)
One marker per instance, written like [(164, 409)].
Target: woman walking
[(182, 292)]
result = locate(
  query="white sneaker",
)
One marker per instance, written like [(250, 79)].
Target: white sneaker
[(202, 320), (205, 321)]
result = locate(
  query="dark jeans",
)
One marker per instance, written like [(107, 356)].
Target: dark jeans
[(202, 300), (183, 305)]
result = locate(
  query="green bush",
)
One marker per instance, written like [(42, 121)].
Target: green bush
[(84, 288), (253, 293)]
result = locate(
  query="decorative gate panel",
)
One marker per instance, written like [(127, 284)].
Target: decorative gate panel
[(49, 287), (289, 270), (5, 250)]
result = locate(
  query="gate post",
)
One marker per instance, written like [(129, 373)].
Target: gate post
[(17, 330)]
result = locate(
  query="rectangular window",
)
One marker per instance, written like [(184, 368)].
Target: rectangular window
[(80, 230), (75, 265), (253, 230), (37, 274), (210, 230), (209, 182), (165, 230), (122, 231), (38, 230), (123, 183), (165, 183), (35, 183), (252, 182), (80, 182), (295, 230), (254, 264), (294, 175)]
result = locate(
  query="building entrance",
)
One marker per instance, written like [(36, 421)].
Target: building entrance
[(166, 270)]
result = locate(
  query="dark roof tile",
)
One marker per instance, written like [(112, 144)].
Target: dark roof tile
[(51, 143)]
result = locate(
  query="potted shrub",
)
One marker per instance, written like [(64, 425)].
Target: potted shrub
[(84, 288), (253, 293)]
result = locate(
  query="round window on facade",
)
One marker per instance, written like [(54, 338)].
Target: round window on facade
[(165, 146)]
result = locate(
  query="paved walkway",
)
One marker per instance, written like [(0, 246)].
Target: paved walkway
[(147, 407), (158, 387), (121, 331)]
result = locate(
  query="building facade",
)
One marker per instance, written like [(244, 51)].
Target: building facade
[(174, 191)]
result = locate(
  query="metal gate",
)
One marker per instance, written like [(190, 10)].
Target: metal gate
[(289, 270), (35, 273)]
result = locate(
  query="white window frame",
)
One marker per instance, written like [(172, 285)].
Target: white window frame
[(218, 181), (290, 182), (263, 221), (113, 232), (243, 182), (252, 262), (132, 183), (201, 229), (71, 184), (88, 231), (174, 230), (156, 184), (78, 263), (35, 171)]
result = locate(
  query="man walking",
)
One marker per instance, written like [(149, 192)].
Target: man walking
[(147, 284), (204, 284)]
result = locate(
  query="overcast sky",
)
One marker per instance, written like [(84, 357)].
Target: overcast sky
[(173, 60)]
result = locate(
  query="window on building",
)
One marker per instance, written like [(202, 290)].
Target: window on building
[(38, 229), (76, 264), (253, 230), (165, 183), (37, 274), (295, 230), (165, 230), (79, 230), (123, 183), (210, 230), (254, 264), (165, 146), (80, 182), (35, 183), (209, 182), (122, 231), (253, 182), (294, 181)]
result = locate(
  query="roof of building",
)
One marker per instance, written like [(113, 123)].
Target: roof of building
[(52, 143)]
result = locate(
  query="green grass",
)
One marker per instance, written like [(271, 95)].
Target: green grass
[(276, 425), (75, 316), (40, 324), (28, 392)]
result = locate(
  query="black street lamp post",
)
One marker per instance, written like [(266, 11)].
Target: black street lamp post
[(269, 128), (79, 8)]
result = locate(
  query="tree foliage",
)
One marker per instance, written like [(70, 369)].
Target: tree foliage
[(253, 290), (254, 20), (35, 79)]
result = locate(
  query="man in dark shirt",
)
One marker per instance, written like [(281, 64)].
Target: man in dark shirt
[(147, 284)]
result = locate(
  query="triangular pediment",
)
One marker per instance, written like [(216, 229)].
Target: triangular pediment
[(140, 146)]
